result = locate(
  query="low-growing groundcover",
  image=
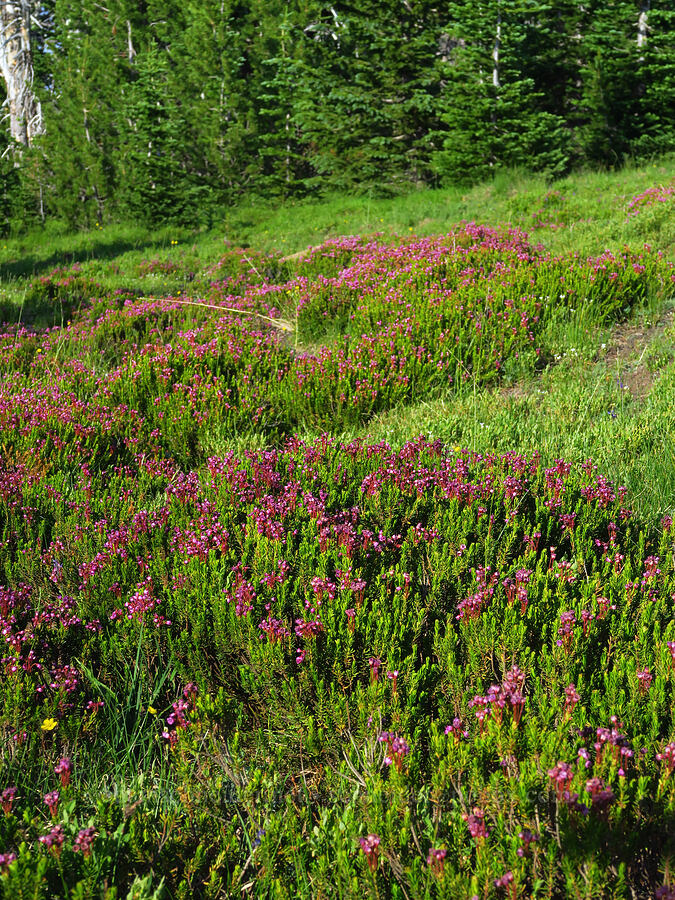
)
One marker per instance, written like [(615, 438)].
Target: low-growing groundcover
[(325, 667)]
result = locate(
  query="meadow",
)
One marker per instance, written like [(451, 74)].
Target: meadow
[(337, 549)]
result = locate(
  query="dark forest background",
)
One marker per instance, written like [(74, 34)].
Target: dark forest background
[(170, 109)]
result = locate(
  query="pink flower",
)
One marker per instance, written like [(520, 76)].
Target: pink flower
[(370, 846), (54, 840), (436, 861), (84, 840), (7, 798), (644, 680), (456, 730), (667, 756), (571, 699), (375, 664), (64, 768), (52, 801), (504, 881), (476, 824), (6, 859)]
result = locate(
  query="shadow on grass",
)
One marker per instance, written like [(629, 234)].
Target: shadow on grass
[(31, 264)]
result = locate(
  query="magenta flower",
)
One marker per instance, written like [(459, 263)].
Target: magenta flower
[(527, 837), (6, 859), (7, 798), (571, 699), (370, 847), (456, 730), (190, 691), (602, 796), (84, 841), (667, 757), (566, 631), (476, 824), (54, 840), (397, 747), (644, 678), (52, 801), (375, 664), (64, 769), (561, 775), (505, 880), (436, 861)]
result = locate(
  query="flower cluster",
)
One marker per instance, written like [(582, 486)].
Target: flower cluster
[(370, 846), (397, 749), (178, 717)]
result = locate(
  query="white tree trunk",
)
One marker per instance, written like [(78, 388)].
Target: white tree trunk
[(16, 66), (495, 51), (131, 53), (642, 25)]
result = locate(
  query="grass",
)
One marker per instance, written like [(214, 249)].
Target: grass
[(611, 407), (588, 210), (380, 607)]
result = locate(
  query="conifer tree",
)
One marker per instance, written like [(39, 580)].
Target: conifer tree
[(655, 49), (152, 165), (608, 77), (367, 91), (82, 117), (493, 112)]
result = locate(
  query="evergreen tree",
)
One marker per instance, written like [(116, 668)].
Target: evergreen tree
[(367, 90), (82, 117), (152, 166), (655, 126), (609, 85), (167, 108), (286, 167), (492, 111)]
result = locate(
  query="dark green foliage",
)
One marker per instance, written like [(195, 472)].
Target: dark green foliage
[(494, 109), (656, 85), (168, 111), (152, 164)]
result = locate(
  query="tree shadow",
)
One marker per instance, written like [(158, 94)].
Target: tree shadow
[(32, 265)]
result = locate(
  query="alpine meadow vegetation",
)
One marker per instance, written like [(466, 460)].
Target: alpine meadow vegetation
[(337, 559)]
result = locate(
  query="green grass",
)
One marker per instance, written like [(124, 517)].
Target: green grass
[(590, 207), (281, 769), (576, 409)]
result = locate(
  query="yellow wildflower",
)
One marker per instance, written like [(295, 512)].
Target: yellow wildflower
[(49, 724), (152, 710)]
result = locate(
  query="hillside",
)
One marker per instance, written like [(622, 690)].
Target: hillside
[(336, 549)]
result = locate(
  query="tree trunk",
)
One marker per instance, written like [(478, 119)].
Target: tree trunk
[(642, 25), (495, 51), (131, 53), (16, 66)]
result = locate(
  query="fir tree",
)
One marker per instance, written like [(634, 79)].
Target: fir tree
[(152, 171)]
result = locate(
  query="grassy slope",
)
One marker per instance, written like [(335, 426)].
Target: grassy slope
[(610, 396), (605, 392), (589, 211)]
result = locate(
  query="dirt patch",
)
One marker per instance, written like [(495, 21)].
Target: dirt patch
[(628, 343), (514, 392)]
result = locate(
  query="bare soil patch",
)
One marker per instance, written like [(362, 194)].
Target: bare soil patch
[(626, 351)]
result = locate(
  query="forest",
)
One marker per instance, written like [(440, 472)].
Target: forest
[(168, 111)]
